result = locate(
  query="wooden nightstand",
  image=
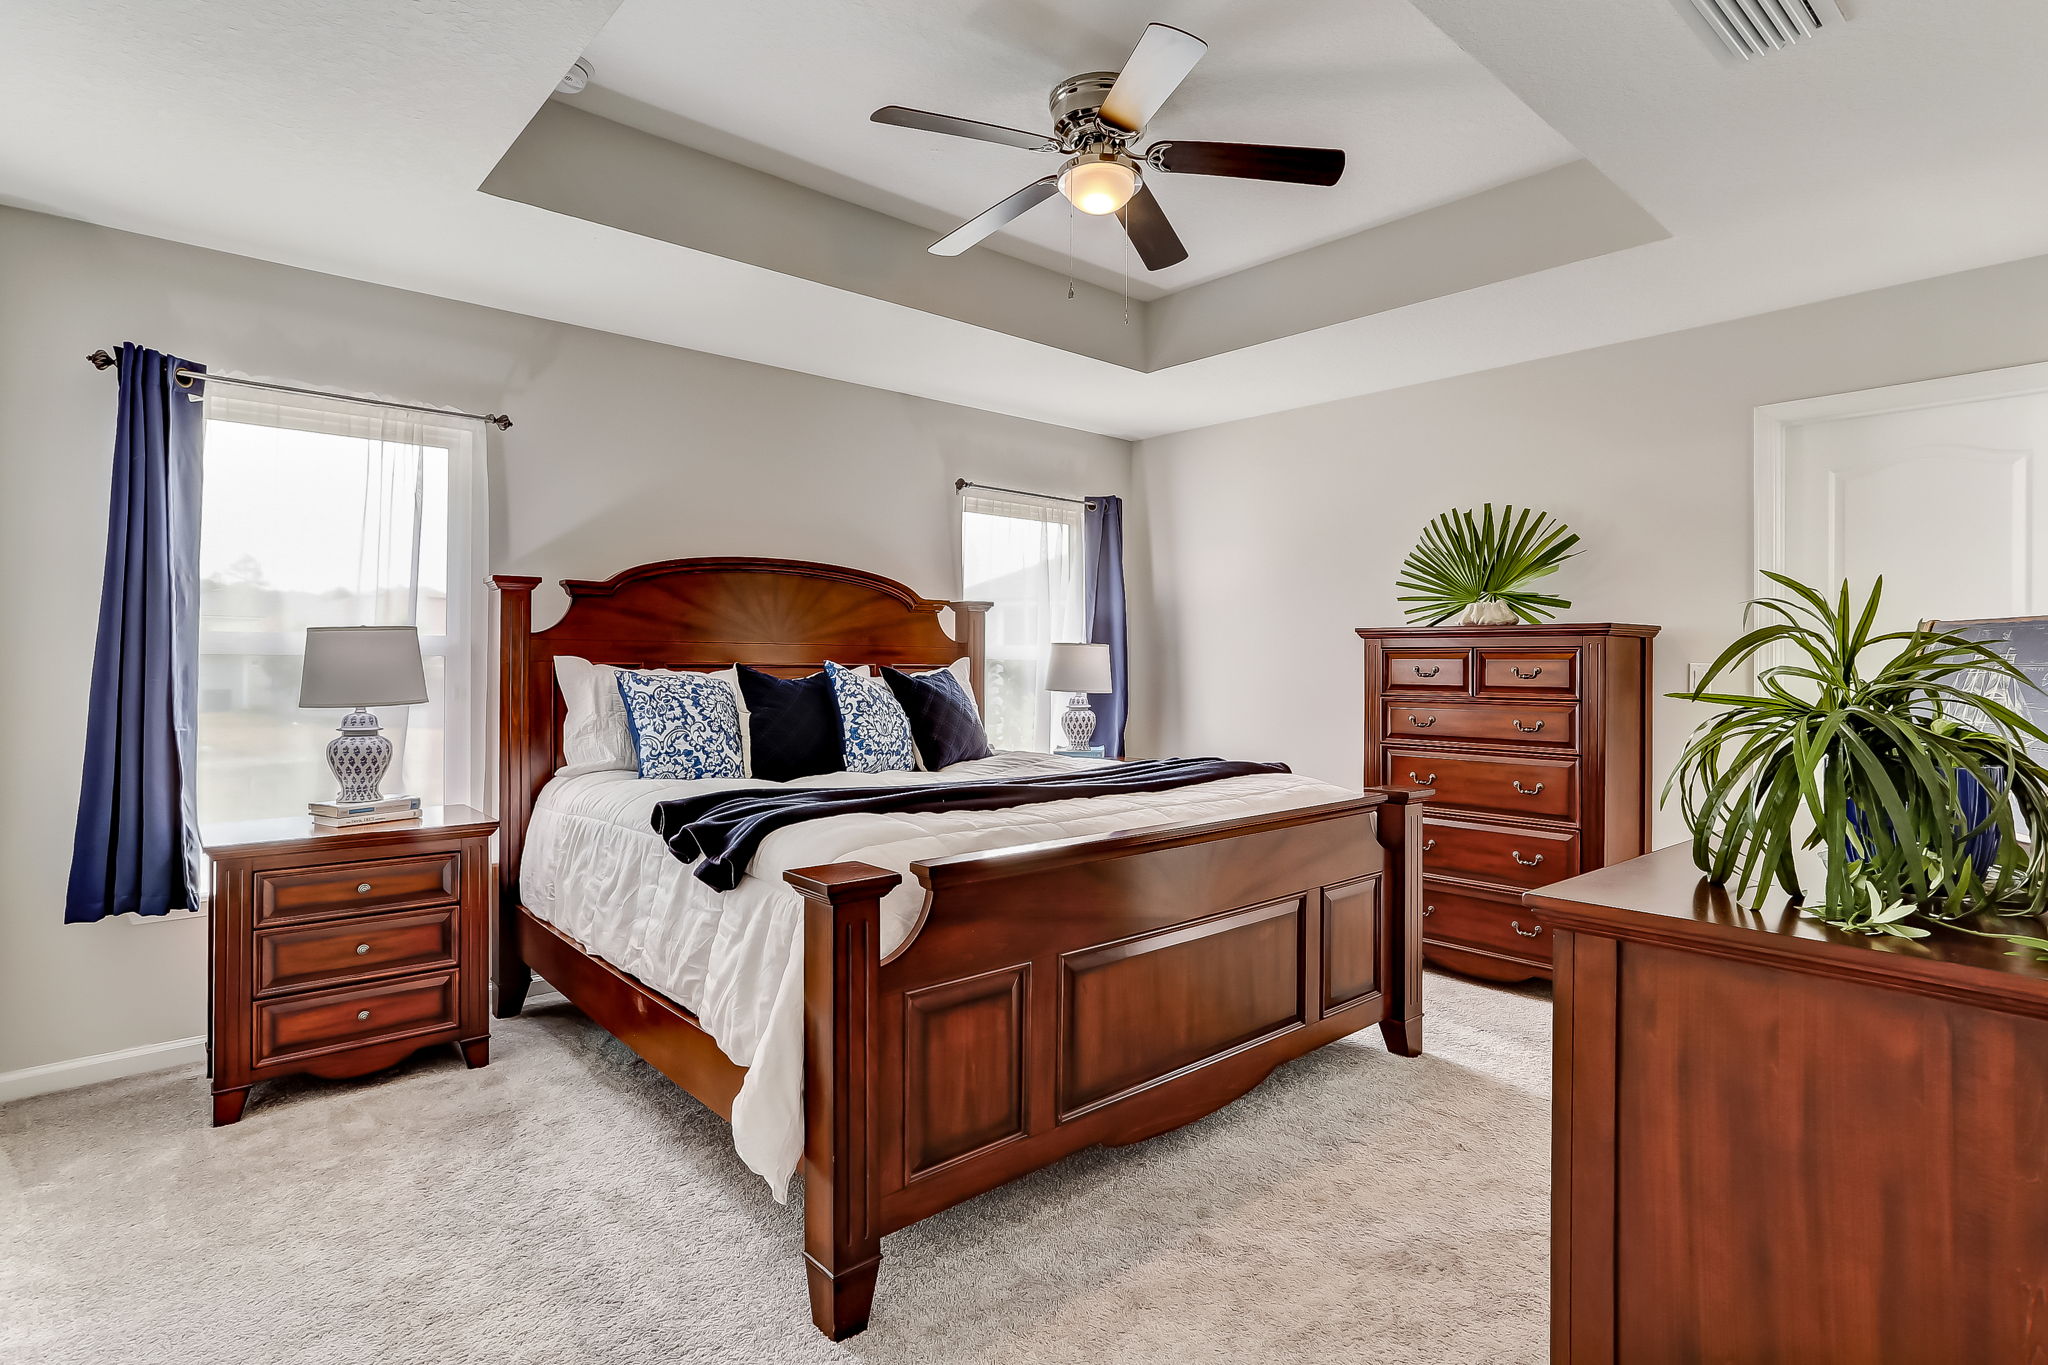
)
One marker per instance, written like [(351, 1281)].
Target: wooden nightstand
[(339, 951)]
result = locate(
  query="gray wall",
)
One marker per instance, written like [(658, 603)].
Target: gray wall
[(1274, 537), (624, 451)]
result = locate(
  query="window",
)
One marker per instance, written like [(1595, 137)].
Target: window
[(1023, 554), (333, 513)]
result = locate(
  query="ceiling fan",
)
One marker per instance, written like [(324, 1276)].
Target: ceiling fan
[(1097, 116)]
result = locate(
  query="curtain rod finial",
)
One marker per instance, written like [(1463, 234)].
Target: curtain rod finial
[(498, 420), (101, 360)]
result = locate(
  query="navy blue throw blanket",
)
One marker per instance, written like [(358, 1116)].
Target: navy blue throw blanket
[(725, 829)]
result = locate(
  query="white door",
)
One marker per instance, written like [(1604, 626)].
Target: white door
[(1948, 501)]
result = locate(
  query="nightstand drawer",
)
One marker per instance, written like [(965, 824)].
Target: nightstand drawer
[(386, 884), (327, 1019), (349, 950)]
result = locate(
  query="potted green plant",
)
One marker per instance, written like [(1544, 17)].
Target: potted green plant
[(1478, 568), (1916, 791)]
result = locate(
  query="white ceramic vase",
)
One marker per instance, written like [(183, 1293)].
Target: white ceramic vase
[(1488, 611)]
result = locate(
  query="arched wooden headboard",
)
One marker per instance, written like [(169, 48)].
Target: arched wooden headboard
[(786, 616)]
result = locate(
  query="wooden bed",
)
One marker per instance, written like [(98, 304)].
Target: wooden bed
[(1059, 995)]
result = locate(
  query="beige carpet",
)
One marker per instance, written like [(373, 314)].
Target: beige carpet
[(567, 1204)]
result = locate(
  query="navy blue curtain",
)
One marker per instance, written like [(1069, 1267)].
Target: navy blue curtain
[(1104, 532), (137, 846)]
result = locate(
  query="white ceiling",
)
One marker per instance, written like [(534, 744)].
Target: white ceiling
[(788, 87), (352, 139)]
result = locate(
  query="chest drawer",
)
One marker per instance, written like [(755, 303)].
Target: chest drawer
[(1529, 672), (1504, 855), (1541, 788), (385, 884), (1456, 918), (1537, 724), (1426, 670), (347, 950), (298, 1024)]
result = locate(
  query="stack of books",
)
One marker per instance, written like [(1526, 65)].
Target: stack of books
[(335, 814)]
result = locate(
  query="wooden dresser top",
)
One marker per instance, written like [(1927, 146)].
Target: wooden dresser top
[(223, 840), (1662, 898)]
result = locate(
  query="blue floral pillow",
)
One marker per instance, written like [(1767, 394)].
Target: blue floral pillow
[(685, 725), (877, 732)]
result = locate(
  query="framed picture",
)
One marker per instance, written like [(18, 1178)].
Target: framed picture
[(2023, 641)]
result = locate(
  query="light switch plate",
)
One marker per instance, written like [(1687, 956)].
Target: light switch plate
[(1695, 674)]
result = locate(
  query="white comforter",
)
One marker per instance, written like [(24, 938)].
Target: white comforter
[(594, 868)]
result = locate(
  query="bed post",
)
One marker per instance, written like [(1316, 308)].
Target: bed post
[(842, 956), (1400, 835), (970, 624), (509, 973)]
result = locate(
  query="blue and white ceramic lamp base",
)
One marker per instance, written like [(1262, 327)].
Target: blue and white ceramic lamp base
[(359, 756)]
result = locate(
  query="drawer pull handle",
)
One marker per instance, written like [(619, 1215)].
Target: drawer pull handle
[(1429, 672), (1516, 925), (362, 1015), (1421, 781), (1535, 729), (362, 948), (1535, 672), (1516, 854), (1421, 724), (1537, 790), (362, 888), (1428, 844), (1428, 910)]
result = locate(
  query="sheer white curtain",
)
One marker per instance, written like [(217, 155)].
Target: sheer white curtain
[(1025, 555), (321, 512)]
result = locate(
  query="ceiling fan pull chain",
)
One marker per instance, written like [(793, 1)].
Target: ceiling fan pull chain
[(1070, 253)]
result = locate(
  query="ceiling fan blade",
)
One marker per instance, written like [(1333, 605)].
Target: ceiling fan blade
[(1250, 161), (1157, 243), (1158, 64), (990, 219), (962, 127)]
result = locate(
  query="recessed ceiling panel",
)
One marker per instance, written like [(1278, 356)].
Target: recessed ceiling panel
[(787, 87)]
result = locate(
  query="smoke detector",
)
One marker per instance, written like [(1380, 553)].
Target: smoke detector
[(1757, 28), (578, 77)]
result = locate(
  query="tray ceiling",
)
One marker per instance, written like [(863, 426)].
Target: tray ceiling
[(788, 87)]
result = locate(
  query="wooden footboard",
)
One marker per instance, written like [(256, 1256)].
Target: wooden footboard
[(1095, 990)]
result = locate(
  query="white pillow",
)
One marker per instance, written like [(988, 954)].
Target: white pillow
[(596, 736)]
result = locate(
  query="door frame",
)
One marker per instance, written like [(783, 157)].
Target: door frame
[(1774, 423)]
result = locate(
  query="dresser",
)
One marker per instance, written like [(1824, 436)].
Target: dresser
[(1536, 742), (1780, 1144), (338, 952)]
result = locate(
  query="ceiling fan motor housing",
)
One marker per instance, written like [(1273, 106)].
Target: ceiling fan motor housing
[(1076, 102)]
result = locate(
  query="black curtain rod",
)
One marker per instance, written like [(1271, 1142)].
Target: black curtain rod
[(102, 360), (962, 485)]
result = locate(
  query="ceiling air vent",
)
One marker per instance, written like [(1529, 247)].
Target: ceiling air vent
[(1756, 28)]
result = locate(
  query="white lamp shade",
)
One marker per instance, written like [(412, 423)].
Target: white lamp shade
[(1078, 668), (362, 666)]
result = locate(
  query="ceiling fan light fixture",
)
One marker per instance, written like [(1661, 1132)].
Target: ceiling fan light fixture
[(1099, 183)]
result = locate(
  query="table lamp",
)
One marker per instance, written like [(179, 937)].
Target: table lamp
[(1078, 669), (360, 667)]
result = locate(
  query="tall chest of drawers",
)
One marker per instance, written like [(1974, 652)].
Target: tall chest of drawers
[(1536, 740)]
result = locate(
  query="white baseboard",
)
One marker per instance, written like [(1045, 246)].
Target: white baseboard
[(106, 1066), (134, 1061)]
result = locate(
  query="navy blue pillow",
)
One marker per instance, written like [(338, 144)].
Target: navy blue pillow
[(794, 724), (943, 720)]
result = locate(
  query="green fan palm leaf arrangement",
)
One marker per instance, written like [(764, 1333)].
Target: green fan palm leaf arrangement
[(1862, 748), (1463, 559)]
